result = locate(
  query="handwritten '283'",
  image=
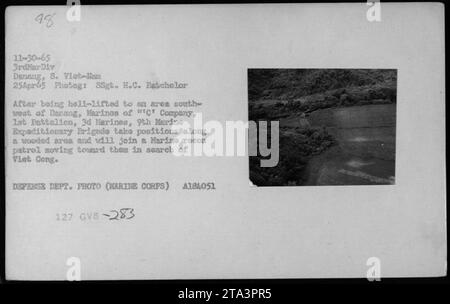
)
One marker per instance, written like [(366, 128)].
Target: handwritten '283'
[(45, 19), (120, 214)]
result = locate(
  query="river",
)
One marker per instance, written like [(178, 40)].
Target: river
[(365, 150)]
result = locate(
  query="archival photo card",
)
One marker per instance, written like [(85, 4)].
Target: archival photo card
[(175, 142), (336, 126)]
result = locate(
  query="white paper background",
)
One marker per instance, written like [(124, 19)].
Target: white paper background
[(237, 231)]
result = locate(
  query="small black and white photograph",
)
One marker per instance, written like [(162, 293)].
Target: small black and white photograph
[(336, 126)]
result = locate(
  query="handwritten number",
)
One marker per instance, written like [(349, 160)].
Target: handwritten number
[(130, 212), (123, 213), (47, 19), (116, 216), (39, 18)]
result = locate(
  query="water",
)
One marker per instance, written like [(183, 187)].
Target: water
[(365, 150)]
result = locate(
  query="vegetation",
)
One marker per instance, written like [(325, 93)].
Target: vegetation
[(290, 84), (295, 150), (278, 94)]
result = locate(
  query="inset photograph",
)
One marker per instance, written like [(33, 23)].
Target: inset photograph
[(336, 126)]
